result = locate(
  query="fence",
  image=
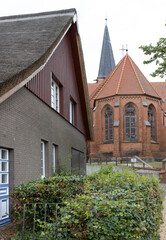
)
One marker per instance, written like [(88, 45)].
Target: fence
[(42, 212), (134, 161)]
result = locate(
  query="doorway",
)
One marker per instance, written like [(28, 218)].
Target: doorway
[(4, 186)]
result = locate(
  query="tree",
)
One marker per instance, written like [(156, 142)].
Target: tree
[(158, 55)]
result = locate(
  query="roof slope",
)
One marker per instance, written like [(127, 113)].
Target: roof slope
[(107, 62), (26, 44), (92, 87), (125, 79), (160, 88), (25, 38)]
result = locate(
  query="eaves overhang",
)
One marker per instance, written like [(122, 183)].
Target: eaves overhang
[(16, 82)]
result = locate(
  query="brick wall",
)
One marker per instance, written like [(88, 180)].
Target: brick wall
[(120, 147), (24, 121)]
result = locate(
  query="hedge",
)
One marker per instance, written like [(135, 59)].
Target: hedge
[(107, 205)]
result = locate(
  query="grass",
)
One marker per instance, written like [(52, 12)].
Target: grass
[(155, 164), (103, 163)]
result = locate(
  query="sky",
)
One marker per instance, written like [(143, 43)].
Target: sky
[(130, 22)]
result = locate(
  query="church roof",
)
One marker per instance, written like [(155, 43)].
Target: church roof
[(160, 88), (107, 62), (92, 87), (125, 79)]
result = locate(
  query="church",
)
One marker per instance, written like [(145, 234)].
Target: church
[(129, 112)]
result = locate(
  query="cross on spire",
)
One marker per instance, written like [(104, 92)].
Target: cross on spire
[(123, 50)]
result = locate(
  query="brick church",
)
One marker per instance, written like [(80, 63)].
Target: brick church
[(129, 112)]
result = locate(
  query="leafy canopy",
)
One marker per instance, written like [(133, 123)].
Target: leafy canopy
[(158, 55)]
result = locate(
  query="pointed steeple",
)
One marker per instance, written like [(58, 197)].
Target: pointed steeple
[(107, 62)]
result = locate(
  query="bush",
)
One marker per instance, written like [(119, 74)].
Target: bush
[(47, 190), (117, 205), (107, 205)]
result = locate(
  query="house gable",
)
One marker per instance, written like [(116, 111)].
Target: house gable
[(61, 68), (47, 47)]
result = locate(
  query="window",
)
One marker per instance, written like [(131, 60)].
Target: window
[(4, 166), (4, 186), (55, 95), (78, 162), (4, 154), (54, 158), (130, 123), (108, 124), (42, 159), (72, 112), (151, 119), (4, 178)]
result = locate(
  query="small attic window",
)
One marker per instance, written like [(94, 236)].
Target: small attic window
[(55, 99), (72, 111)]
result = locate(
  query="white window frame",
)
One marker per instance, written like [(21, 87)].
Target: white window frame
[(5, 160), (7, 175), (7, 163), (72, 112), (7, 153), (42, 159), (55, 95), (54, 149)]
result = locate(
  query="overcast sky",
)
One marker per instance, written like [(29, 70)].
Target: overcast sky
[(131, 22)]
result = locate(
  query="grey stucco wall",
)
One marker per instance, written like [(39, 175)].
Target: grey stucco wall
[(24, 121)]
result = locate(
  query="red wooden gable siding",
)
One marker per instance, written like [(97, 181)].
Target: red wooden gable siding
[(61, 64)]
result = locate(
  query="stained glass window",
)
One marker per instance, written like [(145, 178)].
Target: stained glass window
[(108, 124), (130, 123), (151, 121)]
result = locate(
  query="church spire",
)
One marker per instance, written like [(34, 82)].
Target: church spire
[(107, 62)]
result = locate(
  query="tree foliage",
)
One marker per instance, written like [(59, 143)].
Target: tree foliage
[(158, 55)]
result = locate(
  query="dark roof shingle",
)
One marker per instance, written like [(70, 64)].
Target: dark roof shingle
[(25, 39), (107, 62)]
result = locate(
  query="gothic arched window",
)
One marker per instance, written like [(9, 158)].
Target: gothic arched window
[(130, 123), (108, 124), (151, 119)]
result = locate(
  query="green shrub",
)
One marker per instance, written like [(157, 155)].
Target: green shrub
[(116, 205), (107, 205), (47, 190)]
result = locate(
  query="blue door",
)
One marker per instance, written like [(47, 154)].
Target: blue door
[(4, 187)]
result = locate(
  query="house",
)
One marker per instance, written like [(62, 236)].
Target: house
[(129, 112), (45, 117)]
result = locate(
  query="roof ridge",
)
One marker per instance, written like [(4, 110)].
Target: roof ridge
[(139, 80), (38, 15), (120, 79), (97, 90), (136, 75), (15, 80)]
